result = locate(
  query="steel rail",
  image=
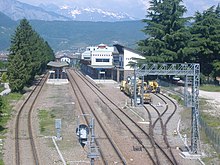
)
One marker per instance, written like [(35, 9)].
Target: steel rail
[(17, 144), (136, 137), (163, 126), (100, 123)]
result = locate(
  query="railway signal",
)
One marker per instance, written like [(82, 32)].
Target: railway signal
[(82, 131)]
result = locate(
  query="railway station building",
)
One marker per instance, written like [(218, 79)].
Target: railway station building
[(97, 61), (57, 73), (67, 56), (104, 62)]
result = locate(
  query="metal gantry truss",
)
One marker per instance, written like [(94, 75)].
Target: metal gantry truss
[(191, 72)]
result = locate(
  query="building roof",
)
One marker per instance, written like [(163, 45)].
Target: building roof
[(57, 64), (121, 48), (68, 56), (102, 66)]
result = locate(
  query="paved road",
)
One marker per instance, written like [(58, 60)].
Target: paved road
[(215, 96)]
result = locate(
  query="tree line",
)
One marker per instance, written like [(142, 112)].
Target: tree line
[(28, 56), (175, 38)]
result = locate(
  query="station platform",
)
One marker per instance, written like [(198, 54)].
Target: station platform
[(103, 81), (57, 81)]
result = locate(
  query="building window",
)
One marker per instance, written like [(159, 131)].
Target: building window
[(102, 60), (105, 60)]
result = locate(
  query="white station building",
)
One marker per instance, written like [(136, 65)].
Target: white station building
[(109, 62)]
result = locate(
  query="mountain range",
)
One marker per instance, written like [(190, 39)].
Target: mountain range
[(17, 10), (63, 35)]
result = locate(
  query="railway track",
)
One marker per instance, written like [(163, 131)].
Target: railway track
[(24, 139), (161, 141), (156, 146), (82, 100), (153, 148)]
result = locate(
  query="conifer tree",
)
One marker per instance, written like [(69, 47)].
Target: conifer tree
[(166, 31), (27, 56), (19, 58), (205, 43)]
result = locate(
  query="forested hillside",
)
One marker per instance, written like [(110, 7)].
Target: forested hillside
[(73, 34), (7, 27)]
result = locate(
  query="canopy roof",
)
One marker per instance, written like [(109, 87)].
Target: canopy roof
[(57, 64), (102, 66)]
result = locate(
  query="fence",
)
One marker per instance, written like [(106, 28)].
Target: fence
[(212, 134)]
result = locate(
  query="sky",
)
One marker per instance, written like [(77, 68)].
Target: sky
[(135, 8)]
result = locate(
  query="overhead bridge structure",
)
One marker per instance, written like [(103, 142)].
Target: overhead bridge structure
[(191, 71)]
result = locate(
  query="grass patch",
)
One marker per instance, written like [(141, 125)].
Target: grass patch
[(13, 96), (211, 121), (203, 104), (2, 87), (47, 122), (177, 98), (212, 156), (6, 111), (210, 88)]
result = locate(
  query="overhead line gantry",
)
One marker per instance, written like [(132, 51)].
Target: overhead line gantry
[(191, 71)]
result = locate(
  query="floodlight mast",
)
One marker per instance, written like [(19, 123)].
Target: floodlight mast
[(191, 71)]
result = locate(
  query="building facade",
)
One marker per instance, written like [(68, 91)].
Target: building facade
[(102, 55), (109, 62), (122, 59), (87, 54)]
